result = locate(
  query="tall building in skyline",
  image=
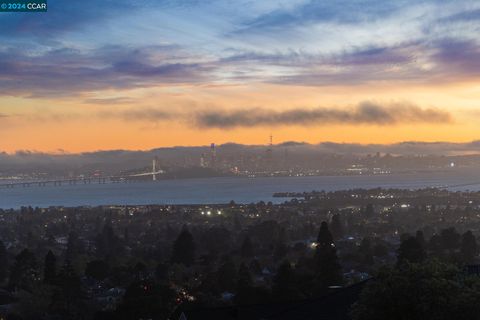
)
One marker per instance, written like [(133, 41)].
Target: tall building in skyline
[(269, 154), (213, 155)]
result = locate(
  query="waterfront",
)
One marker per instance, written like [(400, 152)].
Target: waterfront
[(222, 190)]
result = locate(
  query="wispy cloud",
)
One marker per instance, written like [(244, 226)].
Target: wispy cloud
[(461, 57), (139, 114), (109, 101), (343, 11), (317, 43), (65, 17), (68, 71)]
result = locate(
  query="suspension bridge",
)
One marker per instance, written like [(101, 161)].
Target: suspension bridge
[(83, 180)]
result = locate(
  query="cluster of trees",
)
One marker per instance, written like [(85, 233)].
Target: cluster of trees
[(311, 275), (428, 281), (228, 259), (62, 284), (431, 290), (448, 245)]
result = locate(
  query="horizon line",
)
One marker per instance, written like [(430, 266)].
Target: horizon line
[(287, 143)]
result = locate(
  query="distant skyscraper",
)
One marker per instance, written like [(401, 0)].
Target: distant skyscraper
[(213, 155), (269, 155)]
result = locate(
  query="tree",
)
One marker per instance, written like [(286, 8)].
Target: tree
[(244, 277), (246, 251), (50, 268), (328, 270), (73, 246), (69, 299), (265, 232), (427, 291), (33, 304), (140, 271), (369, 211), (366, 251), (281, 248), (24, 271), (284, 286), (244, 285), (216, 240), (380, 249), (324, 238), (336, 226), (3, 262), (468, 247), (184, 248), (255, 267), (410, 251), (126, 236), (435, 245), (108, 244), (226, 276), (449, 239), (420, 239), (208, 290)]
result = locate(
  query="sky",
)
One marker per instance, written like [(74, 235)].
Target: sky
[(99, 75)]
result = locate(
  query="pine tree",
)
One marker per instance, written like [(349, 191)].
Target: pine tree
[(184, 248), (68, 300), (24, 271), (50, 268), (328, 270), (324, 238), (244, 277), (108, 244)]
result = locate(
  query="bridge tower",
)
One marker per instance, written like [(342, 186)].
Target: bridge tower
[(154, 169)]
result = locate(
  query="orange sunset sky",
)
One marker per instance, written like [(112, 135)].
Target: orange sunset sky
[(190, 73)]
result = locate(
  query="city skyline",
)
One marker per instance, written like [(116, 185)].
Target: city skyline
[(138, 75)]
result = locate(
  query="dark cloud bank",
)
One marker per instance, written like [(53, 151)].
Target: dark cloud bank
[(364, 113)]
